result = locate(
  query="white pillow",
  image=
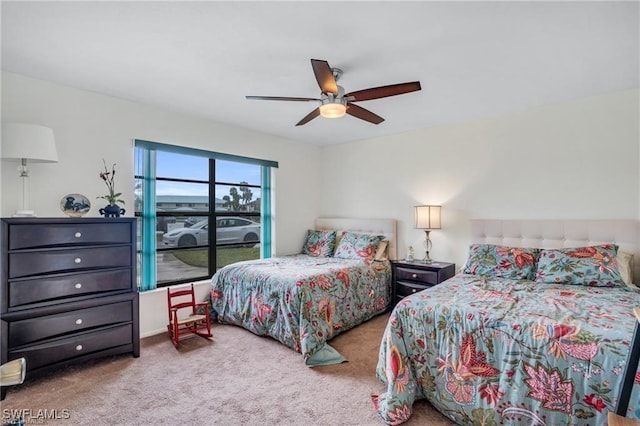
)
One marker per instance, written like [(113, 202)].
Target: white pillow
[(381, 252), (625, 262)]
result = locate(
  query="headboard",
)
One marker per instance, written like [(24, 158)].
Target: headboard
[(386, 227), (560, 234)]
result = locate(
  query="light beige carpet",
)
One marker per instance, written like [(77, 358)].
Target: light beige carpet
[(235, 379)]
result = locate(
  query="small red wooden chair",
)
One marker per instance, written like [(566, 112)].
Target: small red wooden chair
[(200, 324)]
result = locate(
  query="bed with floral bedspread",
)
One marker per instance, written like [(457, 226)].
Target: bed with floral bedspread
[(530, 347), (300, 300)]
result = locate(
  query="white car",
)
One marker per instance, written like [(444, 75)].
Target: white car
[(229, 230)]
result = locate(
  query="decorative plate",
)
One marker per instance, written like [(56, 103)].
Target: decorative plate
[(75, 205)]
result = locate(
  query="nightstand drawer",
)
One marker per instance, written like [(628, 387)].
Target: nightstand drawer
[(428, 277), (404, 288)]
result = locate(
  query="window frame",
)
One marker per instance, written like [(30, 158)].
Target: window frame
[(148, 250)]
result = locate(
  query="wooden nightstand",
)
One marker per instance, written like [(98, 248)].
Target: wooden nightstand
[(412, 277)]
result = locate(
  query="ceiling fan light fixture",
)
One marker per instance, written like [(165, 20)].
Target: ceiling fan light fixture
[(334, 102), (333, 110)]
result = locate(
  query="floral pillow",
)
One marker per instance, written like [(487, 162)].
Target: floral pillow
[(501, 261), (358, 246), (594, 266), (319, 243)]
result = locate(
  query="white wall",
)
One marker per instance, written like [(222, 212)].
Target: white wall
[(574, 160), (89, 127)]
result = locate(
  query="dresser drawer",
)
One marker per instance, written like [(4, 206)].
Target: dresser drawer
[(427, 277), (25, 236), (24, 264), (53, 351), (54, 326), (64, 287), (404, 288)]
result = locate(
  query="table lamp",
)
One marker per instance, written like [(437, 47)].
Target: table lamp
[(427, 218), (27, 143)]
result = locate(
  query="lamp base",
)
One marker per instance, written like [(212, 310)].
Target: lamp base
[(24, 213)]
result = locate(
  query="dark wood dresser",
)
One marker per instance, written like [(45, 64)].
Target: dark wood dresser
[(69, 290)]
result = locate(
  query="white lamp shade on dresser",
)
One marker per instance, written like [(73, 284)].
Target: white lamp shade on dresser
[(27, 143), (31, 141)]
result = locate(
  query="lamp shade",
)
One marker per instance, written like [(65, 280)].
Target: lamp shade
[(428, 217), (13, 372), (30, 141)]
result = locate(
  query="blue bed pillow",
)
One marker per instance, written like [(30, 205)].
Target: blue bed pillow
[(319, 243), (501, 261), (594, 266), (358, 246)]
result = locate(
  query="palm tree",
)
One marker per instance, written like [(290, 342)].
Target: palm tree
[(235, 198), (247, 195)]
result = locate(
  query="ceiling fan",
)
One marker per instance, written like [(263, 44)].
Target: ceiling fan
[(335, 103)]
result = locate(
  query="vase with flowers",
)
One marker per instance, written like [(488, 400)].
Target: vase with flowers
[(113, 197)]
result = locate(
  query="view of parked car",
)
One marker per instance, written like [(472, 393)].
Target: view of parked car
[(228, 230), (190, 221)]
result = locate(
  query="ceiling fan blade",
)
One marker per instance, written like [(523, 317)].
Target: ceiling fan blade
[(384, 91), (324, 76), (313, 114), (363, 114), (280, 98)]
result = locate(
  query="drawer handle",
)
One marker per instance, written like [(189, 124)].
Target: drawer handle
[(79, 348), (78, 285), (77, 260), (78, 234), (413, 290), (414, 276), (79, 321)]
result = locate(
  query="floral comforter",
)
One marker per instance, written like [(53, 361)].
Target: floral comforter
[(499, 351), (301, 301)]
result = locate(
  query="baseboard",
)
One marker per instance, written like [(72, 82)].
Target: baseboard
[(153, 333)]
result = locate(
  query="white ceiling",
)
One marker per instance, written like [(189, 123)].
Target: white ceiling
[(473, 59)]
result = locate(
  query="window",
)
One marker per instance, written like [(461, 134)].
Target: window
[(179, 192)]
